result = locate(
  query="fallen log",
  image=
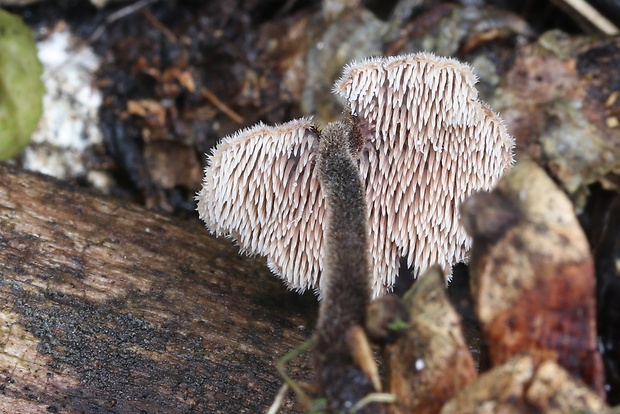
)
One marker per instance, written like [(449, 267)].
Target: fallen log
[(106, 307)]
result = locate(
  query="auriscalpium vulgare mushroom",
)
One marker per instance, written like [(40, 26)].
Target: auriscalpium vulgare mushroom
[(428, 143)]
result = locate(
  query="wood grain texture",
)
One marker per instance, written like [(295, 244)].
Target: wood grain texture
[(109, 308)]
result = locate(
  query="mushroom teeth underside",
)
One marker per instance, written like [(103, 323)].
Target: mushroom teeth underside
[(428, 144)]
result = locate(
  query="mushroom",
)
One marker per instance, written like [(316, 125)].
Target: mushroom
[(428, 143)]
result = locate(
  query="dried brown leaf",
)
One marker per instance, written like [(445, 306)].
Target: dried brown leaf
[(532, 274)]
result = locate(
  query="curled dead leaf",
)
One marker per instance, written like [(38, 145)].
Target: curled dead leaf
[(532, 274)]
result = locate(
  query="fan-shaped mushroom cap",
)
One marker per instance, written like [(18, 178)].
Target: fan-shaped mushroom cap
[(261, 189), (429, 143)]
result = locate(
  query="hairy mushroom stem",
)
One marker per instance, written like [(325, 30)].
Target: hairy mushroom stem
[(346, 273)]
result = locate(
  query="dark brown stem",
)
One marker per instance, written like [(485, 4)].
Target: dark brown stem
[(346, 272)]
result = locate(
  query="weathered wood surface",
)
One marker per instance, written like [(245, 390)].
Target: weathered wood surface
[(108, 308)]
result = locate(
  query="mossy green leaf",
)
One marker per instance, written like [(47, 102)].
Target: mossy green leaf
[(21, 88)]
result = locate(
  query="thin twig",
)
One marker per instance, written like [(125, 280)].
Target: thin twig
[(117, 15), (155, 22), (302, 397), (221, 105), (375, 397), (581, 10), (277, 402)]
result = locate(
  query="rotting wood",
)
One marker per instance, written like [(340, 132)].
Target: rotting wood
[(109, 308)]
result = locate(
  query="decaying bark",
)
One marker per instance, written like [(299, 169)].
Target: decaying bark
[(110, 308)]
